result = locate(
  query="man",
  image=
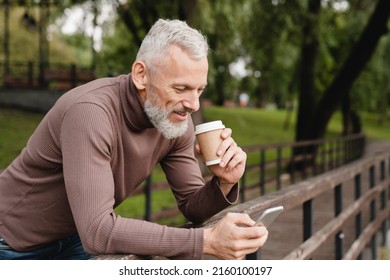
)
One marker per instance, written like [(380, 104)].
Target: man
[(101, 140)]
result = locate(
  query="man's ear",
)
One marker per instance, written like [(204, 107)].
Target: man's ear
[(138, 74)]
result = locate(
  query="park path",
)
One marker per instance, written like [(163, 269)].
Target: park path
[(286, 233)]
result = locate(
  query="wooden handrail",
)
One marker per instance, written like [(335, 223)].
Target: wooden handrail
[(359, 244), (298, 194), (307, 248)]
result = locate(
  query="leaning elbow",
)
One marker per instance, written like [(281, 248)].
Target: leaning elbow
[(92, 249), (92, 246)]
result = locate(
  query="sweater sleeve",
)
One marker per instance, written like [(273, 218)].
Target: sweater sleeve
[(87, 142)]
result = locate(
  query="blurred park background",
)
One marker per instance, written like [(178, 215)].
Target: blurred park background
[(280, 70), (314, 57)]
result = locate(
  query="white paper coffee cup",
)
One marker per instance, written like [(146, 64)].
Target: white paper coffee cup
[(209, 138)]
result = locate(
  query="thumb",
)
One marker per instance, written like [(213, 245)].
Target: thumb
[(243, 219), (197, 149)]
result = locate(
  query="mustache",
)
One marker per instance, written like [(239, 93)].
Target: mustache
[(183, 110)]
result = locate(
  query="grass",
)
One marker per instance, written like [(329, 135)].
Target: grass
[(257, 127), (384, 253), (15, 129), (253, 127), (250, 127)]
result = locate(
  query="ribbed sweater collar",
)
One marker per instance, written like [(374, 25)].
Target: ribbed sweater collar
[(132, 105)]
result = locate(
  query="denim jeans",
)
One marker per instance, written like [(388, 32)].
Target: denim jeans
[(68, 248)]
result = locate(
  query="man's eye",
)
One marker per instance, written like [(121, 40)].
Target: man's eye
[(180, 89)]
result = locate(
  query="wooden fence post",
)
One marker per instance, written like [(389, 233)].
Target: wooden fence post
[(372, 211), (148, 198), (358, 218), (338, 203)]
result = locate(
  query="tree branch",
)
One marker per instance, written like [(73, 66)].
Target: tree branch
[(349, 72)]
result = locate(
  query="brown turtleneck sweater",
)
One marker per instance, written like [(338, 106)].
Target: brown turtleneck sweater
[(92, 149)]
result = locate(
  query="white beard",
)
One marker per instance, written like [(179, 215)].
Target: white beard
[(159, 117)]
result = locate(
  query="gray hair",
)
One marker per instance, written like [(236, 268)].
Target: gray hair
[(167, 33)]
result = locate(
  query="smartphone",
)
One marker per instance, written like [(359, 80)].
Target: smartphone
[(269, 215)]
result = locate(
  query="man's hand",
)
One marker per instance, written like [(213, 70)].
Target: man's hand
[(233, 161), (228, 240)]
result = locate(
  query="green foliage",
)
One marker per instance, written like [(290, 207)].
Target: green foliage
[(118, 55), (81, 52), (24, 41), (339, 30), (271, 47), (376, 126), (221, 25), (266, 34)]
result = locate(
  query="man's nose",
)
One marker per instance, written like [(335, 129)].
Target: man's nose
[(192, 101)]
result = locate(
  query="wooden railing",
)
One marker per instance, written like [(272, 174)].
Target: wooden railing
[(275, 166), (55, 76), (359, 194), (280, 165), (341, 214)]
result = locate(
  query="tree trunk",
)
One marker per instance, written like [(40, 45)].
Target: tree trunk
[(308, 64), (349, 72), (187, 10), (306, 82), (311, 124), (346, 115), (219, 87)]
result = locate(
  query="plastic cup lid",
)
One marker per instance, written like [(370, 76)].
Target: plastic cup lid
[(204, 127), (212, 162)]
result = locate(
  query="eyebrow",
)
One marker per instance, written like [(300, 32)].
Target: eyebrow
[(187, 85)]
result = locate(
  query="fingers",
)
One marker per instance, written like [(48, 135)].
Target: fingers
[(230, 241), (243, 247), (227, 141), (232, 155), (248, 240), (240, 219), (233, 161), (226, 133), (197, 149), (247, 231)]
